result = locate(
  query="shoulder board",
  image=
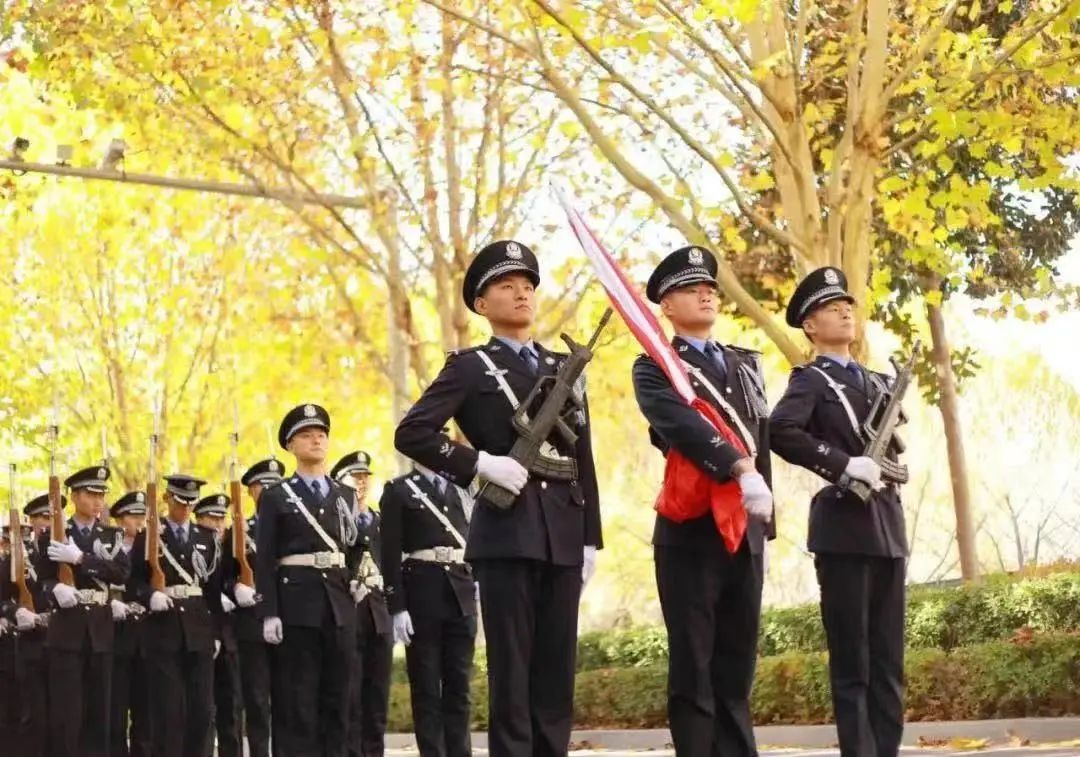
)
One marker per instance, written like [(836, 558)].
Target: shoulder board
[(796, 369), (273, 485), (204, 529), (465, 350), (744, 350)]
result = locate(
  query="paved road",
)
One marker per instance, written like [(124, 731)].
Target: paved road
[(1005, 751)]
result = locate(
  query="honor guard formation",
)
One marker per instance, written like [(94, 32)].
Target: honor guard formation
[(163, 623)]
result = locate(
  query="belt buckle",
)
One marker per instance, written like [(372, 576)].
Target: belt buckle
[(323, 560), (373, 582), (86, 596), (444, 554)]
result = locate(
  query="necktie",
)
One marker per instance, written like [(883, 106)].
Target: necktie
[(853, 369), (181, 534), (717, 357), (316, 486), (530, 359), (85, 531)]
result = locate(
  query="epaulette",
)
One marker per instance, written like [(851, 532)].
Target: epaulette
[(744, 350), (465, 350), (273, 484)]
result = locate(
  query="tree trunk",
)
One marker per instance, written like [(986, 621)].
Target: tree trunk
[(950, 417), (397, 322)]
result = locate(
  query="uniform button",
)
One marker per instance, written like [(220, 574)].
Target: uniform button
[(181, 609), (446, 567), (446, 509), (324, 575), (285, 580), (543, 484)]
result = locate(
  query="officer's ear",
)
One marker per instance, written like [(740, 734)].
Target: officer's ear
[(480, 305), (665, 305), (809, 328)]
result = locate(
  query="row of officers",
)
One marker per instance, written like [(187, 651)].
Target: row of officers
[(333, 585), (111, 666)]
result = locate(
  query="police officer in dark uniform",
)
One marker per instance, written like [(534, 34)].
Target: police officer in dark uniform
[(253, 651), (179, 628), (374, 639), (130, 727), (210, 512), (306, 528), (710, 594), (433, 600), (23, 703), (80, 632), (531, 559), (860, 549)]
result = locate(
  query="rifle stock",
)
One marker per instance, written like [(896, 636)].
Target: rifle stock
[(153, 519), (18, 551), (58, 529), (239, 540)]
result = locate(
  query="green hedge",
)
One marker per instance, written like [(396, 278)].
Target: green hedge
[(939, 617), (1038, 678)]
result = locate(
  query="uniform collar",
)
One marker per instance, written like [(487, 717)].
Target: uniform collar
[(516, 346), (840, 360)]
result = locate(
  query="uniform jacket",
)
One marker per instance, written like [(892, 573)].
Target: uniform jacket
[(408, 525), (810, 428), (673, 423), (550, 520)]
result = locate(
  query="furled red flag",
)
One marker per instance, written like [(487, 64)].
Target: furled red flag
[(681, 496)]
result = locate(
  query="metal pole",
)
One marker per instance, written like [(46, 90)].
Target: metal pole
[(195, 185)]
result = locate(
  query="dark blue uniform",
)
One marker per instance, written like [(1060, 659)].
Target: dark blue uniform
[(711, 599), (312, 665), (23, 703), (179, 642), (860, 554), (528, 558), (374, 645), (253, 652), (79, 640), (438, 592)]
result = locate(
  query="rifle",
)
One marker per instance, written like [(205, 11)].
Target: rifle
[(239, 533), (880, 428), (153, 521), (58, 529), (18, 548), (531, 448)]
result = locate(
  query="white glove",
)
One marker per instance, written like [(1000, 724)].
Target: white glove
[(273, 633), (24, 619), (864, 469), (588, 567), (160, 602), (5, 626), (66, 596), (756, 497), (358, 591), (227, 604), (119, 609), (245, 595), (476, 590), (217, 648), (68, 552), (403, 629), (502, 470)]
